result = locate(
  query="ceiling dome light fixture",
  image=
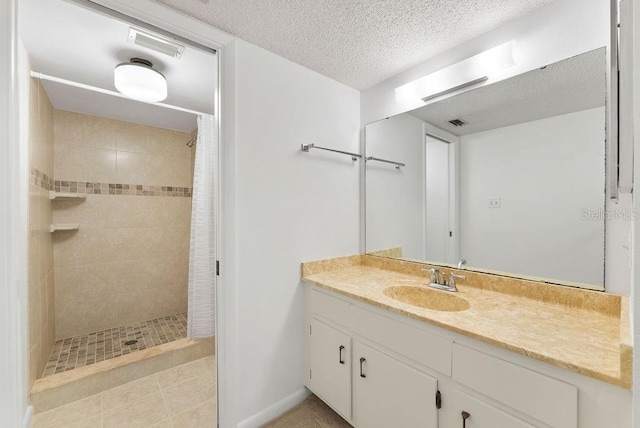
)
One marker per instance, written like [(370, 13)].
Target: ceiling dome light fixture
[(138, 79)]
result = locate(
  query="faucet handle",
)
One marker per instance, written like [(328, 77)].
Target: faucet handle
[(434, 275), (452, 278)]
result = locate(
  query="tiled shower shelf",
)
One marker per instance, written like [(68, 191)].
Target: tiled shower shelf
[(91, 348), (64, 226), (66, 195)]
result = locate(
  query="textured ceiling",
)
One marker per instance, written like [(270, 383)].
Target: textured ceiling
[(357, 42), (575, 84)]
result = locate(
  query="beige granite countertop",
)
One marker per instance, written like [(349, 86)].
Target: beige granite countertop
[(580, 330)]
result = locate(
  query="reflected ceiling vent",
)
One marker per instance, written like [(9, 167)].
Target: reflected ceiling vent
[(155, 42), (457, 122)]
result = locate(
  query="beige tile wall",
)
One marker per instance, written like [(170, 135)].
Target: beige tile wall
[(128, 262), (41, 319)]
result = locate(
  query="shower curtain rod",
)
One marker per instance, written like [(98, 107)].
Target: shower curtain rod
[(43, 76)]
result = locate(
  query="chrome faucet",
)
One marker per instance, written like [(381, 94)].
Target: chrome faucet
[(433, 272), (452, 280), (461, 263), (435, 277), (437, 280)]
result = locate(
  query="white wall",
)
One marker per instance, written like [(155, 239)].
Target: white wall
[(289, 207), (395, 198), (14, 173), (546, 173), (618, 275), (617, 248), (633, 111)]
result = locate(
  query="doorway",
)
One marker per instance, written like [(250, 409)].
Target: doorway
[(440, 200), (110, 204)]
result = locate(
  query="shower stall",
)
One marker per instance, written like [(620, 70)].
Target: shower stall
[(123, 191), (115, 223)]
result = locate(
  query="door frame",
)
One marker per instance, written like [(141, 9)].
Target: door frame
[(453, 243), (14, 410), (13, 222)]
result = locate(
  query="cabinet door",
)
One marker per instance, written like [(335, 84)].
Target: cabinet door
[(389, 393), (479, 414), (330, 366)]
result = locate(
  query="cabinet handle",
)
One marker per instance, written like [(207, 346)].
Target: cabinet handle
[(362, 360), (465, 416), (340, 360)]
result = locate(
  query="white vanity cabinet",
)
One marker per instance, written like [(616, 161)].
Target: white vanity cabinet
[(381, 369), (388, 393)]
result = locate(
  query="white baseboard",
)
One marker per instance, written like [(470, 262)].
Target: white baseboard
[(275, 410), (28, 418)]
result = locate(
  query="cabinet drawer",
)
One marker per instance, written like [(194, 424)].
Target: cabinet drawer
[(425, 348), (548, 400), (483, 415), (329, 307)]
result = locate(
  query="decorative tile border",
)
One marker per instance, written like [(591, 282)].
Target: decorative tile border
[(121, 189), (40, 179)]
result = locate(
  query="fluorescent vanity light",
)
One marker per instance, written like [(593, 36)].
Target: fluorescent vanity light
[(139, 80), (465, 73)]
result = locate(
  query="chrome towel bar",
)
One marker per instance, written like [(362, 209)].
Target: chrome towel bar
[(306, 147), (397, 164)]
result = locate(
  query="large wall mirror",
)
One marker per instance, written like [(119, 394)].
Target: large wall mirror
[(509, 176)]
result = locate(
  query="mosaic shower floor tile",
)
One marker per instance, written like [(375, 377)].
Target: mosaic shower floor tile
[(79, 351)]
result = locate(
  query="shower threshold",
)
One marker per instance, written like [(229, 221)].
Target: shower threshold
[(87, 349)]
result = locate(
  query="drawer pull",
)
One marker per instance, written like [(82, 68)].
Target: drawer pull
[(362, 360), (340, 360), (465, 416)]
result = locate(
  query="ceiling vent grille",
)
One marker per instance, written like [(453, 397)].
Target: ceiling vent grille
[(155, 42), (457, 122)]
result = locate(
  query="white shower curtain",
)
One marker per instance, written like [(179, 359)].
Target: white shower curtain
[(201, 313)]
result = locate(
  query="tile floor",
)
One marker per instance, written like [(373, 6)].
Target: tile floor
[(311, 413), (181, 397), (79, 351)]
